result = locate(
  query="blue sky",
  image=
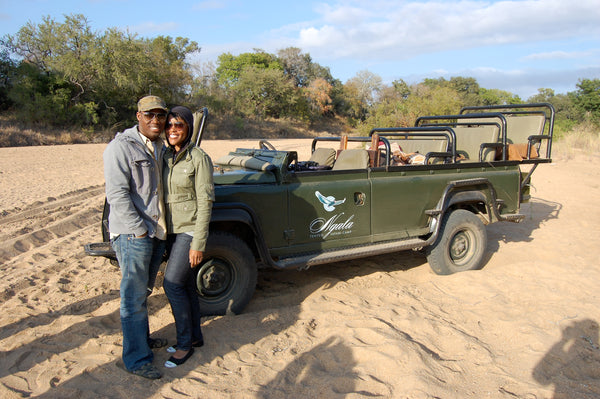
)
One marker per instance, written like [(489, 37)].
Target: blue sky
[(517, 46)]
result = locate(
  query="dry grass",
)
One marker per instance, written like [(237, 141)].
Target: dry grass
[(582, 139), (225, 128), (14, 134)]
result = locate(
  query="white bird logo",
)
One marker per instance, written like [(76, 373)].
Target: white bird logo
[(329, 203)]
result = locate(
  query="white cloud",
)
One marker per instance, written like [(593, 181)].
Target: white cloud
[(400, 30), (344, 15), (558, 55)]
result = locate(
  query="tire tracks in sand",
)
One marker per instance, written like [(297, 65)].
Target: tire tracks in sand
[(36, 240), (25, 229)]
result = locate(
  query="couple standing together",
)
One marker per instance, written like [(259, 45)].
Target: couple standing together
[(160, 200)]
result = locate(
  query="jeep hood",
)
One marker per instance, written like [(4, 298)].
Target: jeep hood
[(242, 176)]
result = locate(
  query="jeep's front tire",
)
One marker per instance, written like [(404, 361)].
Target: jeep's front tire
[(460, 245), (226, 278)]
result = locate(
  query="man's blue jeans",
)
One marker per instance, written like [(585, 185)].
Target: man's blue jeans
[(180, 287), (139, 260)]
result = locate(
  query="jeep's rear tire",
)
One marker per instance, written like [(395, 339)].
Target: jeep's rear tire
[(460, 245), (226, 278)]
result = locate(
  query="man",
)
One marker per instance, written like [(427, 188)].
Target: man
[(132, 171)]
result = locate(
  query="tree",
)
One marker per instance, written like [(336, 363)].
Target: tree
[(360, 93), (68, 47), (587, 98), (56, 71), (264, 92), (367, 85), (497, 97), (85, 77), (544, 95), (318, 94), (466, 87), (7, 71), (427, 100), (170, 73), (296, 65), (230, 66), (207, 92), (401, 88)]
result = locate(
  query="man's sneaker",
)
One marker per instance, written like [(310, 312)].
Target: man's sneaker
[(148, 371)]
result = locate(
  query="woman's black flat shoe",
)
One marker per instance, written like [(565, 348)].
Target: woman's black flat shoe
[(174, 362)]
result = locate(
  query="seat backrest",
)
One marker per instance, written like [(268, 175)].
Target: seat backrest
[(352, 159), (520, 127), (323, 156), (422, 145), (470, 138)]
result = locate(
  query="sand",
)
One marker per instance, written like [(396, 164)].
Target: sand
[(525, 326)]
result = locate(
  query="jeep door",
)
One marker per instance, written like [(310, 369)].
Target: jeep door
[(328, 209)]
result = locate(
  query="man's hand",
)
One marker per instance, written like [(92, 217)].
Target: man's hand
[(195, 257)]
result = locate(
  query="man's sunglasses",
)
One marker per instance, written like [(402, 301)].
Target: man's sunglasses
[(160, 116)]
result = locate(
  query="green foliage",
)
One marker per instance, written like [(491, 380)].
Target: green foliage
[(68, 73), (301, 69), (400, 89), (7, 70), (260, 85), (205, 91), (264, 92), (296, 65), (46, 99), (587, 99), (359, 95), (231, 67)]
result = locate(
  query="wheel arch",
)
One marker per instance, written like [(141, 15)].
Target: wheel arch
[(465, 194), (473, 201), (239, 220)]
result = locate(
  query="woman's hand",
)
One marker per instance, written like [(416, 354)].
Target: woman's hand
[(195, 257)]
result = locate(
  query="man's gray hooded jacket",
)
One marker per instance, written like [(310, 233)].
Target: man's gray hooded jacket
[(131, 176)]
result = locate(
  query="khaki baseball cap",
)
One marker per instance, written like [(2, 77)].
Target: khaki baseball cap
[(151, 102)]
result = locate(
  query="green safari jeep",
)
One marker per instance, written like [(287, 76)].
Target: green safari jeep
[(433, 186)]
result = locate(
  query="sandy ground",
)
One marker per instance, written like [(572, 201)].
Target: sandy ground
[(526, 326)]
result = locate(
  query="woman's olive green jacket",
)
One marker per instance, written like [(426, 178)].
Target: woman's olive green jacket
[(189, 193)]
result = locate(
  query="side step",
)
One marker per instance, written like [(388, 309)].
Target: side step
[(100, 249), (312, 259)]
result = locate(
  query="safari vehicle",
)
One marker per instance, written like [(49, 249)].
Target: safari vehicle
[(431, 187)]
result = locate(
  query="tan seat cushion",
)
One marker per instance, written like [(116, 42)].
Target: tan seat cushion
[(323, 156), (352, 159)]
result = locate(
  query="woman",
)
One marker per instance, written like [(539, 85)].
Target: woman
[(189, 194)]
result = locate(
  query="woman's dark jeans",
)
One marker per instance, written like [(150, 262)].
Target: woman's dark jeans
[(180, 287)]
